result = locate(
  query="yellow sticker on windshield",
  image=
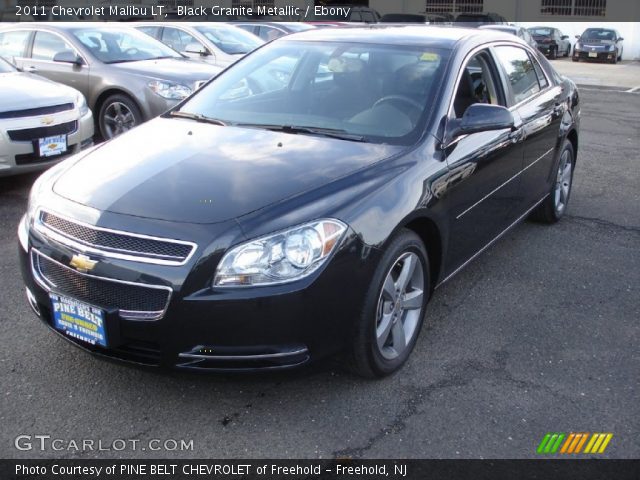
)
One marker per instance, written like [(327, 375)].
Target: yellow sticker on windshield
[(430, 57)]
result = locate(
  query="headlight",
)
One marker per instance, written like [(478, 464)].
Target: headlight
[(281, 257), (612, 48), (170, 90), (81, 103)]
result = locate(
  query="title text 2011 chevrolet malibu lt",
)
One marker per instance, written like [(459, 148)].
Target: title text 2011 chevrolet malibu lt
[(304, 203)]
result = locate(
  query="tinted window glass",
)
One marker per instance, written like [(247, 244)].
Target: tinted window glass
[(230, 40), (520, 72), (12, 44), (153, 31), (177, 39), (46, 45), (380, 92), (114, 45), (600, 34)]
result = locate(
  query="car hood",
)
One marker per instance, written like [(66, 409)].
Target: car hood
[(182, 171), (19, 91), (176, 69)]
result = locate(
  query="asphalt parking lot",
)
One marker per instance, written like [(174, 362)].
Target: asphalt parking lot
[(539, 334)]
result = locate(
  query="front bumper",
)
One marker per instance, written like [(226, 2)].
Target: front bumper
[(601, 56), (245, 329), (18, 157)]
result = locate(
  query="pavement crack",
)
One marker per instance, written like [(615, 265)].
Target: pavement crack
[(458, 374), (604, 223)]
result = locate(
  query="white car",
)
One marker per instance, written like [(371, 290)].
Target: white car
[(215, 43), (41, 122)]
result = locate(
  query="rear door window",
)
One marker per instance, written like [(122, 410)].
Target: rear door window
[(519, 71)]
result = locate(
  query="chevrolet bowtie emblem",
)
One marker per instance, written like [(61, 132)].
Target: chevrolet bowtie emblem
[(47, 120), (82, 263)]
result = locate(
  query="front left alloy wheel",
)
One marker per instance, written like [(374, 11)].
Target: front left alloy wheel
[(394, 308), (118, 114)]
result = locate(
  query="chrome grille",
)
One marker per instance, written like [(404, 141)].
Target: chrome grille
[(124, 243), (133, 300)]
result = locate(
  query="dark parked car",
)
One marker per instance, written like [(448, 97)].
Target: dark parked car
[(602, 44), (520, 32), (355, 13), (403, 18), (264, 231), (551, 41), (126, 76), (477, 19), (268, 31)]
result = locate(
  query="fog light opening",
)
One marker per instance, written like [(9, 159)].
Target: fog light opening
[(32, 302)]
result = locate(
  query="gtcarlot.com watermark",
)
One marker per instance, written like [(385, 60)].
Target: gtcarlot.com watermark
[(48, 443)]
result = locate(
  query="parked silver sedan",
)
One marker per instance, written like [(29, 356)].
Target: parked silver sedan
[(41, 122), (126, 76), (215, 43)]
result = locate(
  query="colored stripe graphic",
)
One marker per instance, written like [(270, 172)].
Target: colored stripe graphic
[(573, 443)]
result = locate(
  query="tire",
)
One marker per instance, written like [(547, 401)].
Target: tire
[(553, 53), (614, 60), (575, 59), (124, 115), (388, 329), (555, 205), (568, 51)]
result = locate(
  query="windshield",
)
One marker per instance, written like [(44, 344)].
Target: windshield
[(540, 32), (6, 67), (231, 40), (113, 45), (377, 92), (598, 34)]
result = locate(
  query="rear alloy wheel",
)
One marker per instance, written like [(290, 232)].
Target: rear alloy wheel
[(555, 205), (553, 53), (394, 308), (118, 114)]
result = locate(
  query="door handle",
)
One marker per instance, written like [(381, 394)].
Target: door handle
[(30, 69)]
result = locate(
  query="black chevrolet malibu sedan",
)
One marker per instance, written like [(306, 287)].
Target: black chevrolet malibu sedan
[(306, 202)]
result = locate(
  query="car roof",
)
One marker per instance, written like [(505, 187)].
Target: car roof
[(442, 36), (503, 28)]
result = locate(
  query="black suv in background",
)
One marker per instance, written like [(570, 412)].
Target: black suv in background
[(551, 41)]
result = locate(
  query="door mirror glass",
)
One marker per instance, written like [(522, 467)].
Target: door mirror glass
[(482, 117), (196, 48), (564, 37), (620, 39), (67, 56)]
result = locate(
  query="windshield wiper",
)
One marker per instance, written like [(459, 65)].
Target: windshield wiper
[(197, 117), (325, 132)]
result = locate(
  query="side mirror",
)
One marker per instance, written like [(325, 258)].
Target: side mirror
[(620, 39), (564, 37), (196, 48), (578, 37), (68, 56), (482, 117)]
